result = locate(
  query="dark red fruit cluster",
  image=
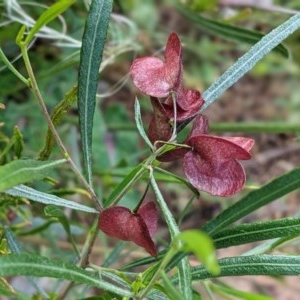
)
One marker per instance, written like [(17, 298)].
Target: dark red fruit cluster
[(210, 163)]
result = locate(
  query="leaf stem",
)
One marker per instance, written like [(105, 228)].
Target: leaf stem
[(184, 266), (12, 68), (171, 252), (142, 198), (84, 257), (32, 83)]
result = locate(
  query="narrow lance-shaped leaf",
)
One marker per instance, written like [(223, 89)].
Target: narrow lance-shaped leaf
[(247, 233), (54, 211), (166, 176), (16, 248), (239, 294), (139, 123), (235, 236), (93, 41), (50, 14), (39, 266), (273, 265), (248, 60), (228, 31), (202, 246), (168, 288), (279, 187), (18, 142), (125, 184), (6, 289), (11, 67), (59, 111), (37, 196), (21, 171), (12, 242)]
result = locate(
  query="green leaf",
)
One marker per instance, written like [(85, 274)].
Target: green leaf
[(160, 175), (167, 176), (20, 42), (18, 142), (183, 265), (15, 143), (16, 248), (93, 41), (6, 149), (279, 187), (248, 60), (202, 246), (12, 242), (37, 196), (228, 31), (38, 228), (139, 123), (10, 67), (169, 289), (54, 211), (39, 266), (142, 261), (71, 60), (6, 289), (125, 184), (21, 171), (104, 296), (272, 265), (50, 14), (59, 111), (201, 5), (169, 218), (240, 294), (247, 233), (114, 255), (4, 248)]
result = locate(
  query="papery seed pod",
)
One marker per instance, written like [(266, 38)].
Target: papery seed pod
[(120, 222)]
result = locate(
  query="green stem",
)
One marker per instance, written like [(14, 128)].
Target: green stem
[(208, 290), (173, 228), (84, 257), (186, 209), (35, 90), (142, 198), (162, 266), (183, 266), (12, 68), (138, 175), (88, 245)]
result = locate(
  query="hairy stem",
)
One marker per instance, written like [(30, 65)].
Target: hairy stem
[(84, 257), (35, 90)]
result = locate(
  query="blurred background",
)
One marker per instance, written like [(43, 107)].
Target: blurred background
[(263, 105)]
